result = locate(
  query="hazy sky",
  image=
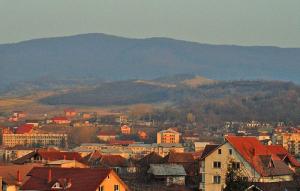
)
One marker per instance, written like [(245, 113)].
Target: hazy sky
[(244, 22)]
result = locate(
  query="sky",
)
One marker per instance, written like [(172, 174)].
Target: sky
[(241, 22)]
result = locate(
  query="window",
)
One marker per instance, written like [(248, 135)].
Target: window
[(230, 151), (217, 164), (116, 187), (217, 179), (219, 151), (101, 188), (236, 165)]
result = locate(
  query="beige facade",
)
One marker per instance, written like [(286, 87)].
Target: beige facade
[(43, 139), (168, 136), (113, 182), (290, 141), (214, 168)]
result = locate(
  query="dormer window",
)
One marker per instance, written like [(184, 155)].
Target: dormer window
[(56, 185)]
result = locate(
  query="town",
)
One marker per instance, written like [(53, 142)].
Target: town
[(80, 150)]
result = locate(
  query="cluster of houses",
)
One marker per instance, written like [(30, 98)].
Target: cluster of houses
[(35, 159)]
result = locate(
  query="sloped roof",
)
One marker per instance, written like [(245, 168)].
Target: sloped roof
[(257, 154), (9, 173), (26, 128), (81, 178), (283, 154), (208, 149), (113, 161), (167, 170), (174, 157), (52, 155), (152, 158)]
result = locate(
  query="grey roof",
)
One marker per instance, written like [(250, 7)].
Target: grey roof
[(167, 170)]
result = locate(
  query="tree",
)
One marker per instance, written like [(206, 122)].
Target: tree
[(235, 181)]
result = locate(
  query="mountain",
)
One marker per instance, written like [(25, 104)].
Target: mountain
[(107, 57)]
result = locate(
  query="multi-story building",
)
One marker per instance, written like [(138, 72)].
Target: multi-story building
[(125, 130), (35, 139), (168, 136), (256, 162), (290, 141)]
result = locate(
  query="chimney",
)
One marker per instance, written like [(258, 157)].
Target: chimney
[(49, 175), (19, 179)]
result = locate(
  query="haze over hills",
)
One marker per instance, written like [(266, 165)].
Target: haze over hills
[(105, 57)]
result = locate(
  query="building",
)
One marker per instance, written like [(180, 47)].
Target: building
[(61, 120), (257, 162), (75, 179), (168, 136), (167, 174), (142, 135), (290, 141), (125, 130), (107, 136), (44, 156), (65, 164), (35, 139), (70, 112), (13, 176)]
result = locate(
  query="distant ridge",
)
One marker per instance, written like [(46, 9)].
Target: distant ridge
[(108, 57)]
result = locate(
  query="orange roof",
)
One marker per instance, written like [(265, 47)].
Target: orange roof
[(257, 155), (26, 128)]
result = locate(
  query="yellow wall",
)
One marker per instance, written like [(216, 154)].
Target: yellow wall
[(167, 137), (109, 183), (225, 158)]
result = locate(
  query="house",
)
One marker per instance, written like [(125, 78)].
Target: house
[(257, 162), (167, 174), (107, 136), (13, 153), (43, 156), (188, 162), (75, 179), (13, 176), (61, 120), (70, 112), (125, 130), (65, 164), (142, 135), (168, 136), (290, 141)]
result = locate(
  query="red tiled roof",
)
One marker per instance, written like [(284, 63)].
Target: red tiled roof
[(283, 153), (258, 155), (81, 178), (9, 173), (58, 155), (26, 128)]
